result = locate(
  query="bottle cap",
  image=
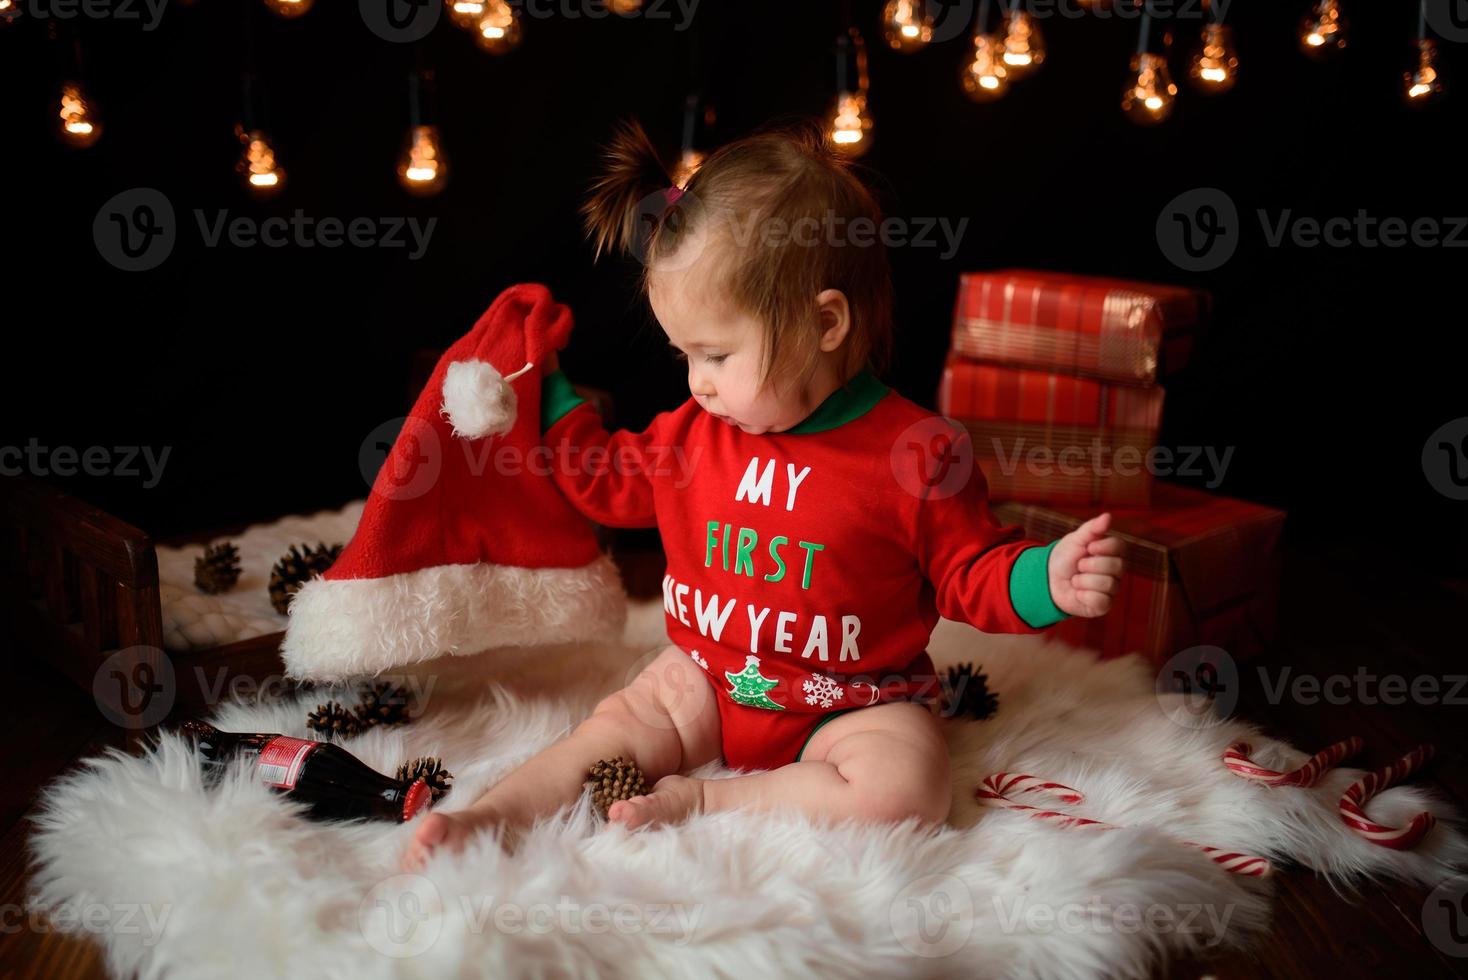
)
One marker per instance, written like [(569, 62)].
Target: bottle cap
[(418, 794)]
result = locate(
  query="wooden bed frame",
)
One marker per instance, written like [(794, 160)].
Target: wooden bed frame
[(79, 585)]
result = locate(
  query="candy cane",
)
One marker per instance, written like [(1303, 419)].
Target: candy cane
[(996, 790), (1363, 789), (1236, 758)]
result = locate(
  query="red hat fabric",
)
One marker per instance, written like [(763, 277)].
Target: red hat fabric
[(465, 543)]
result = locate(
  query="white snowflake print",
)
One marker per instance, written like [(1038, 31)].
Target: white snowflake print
[(821, 689), (698, 659)]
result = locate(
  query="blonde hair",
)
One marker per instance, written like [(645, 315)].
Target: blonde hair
[(784, 175)]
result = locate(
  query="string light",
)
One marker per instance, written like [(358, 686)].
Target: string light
[(984, 77), (422, 169), (1423, 85), (257, 162), (1148, 98), (849, 125), (289, 8), (498, 30), (690, 158), (1215, 66), (1024, 45), (79, 125), (465, 13), (1324, 28), (907, 25)]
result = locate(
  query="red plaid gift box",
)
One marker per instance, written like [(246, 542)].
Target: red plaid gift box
[(1056, 438), (1200, 569), (1113, 329)]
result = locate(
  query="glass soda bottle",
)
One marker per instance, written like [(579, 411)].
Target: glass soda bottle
[(336, 784)]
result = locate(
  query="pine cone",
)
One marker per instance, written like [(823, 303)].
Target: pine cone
[(334, 719), (296, 567), (287, 576), (431, 770), (320, 558), (382, 703), (612, 780), (971, 688), (218, 569)]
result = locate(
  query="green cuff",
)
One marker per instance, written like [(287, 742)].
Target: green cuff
[(1029, 587), (557, 397)]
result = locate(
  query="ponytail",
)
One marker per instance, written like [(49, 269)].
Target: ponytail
[(631, 171)]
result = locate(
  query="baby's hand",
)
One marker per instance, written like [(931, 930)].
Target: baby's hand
[(1085, 567)]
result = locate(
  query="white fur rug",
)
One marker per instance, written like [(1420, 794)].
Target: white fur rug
[(232, 883)]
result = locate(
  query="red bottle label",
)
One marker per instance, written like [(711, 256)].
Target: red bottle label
[(281, 760)]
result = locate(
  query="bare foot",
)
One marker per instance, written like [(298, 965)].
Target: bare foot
[(672, 798), (442, 831)]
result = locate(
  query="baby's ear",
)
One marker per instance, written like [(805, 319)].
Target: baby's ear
[(835, 313)]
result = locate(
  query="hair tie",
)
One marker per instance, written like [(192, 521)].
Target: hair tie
[(673, 193)]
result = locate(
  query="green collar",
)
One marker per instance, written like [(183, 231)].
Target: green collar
[(851, 401)]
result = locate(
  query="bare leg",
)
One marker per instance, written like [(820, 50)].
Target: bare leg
[(884, 763), (665, 720)]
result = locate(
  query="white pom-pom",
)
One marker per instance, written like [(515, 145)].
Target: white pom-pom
[(478, 400)]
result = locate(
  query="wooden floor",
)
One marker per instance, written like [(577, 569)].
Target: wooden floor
[(1335, 619)]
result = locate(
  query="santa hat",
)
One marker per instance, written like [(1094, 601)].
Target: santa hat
[(465, 543)]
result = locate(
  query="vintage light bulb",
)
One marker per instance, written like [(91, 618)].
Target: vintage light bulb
[(1424, 85), (849, 125), (9, 11), (1324, 28), (499, 28), (465, 13), (79, 123), (1215, 66), (289, 8), (688, 162), (1024, 46), (422, 169), (625, 7), (257, 163), (906, 25), (984, 76), (1149, 97)]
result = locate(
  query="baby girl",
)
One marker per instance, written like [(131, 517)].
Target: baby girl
[(817, 527)]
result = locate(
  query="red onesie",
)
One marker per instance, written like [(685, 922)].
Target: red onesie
[(806, 568)]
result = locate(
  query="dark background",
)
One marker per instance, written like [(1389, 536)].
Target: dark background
[(264, 369)]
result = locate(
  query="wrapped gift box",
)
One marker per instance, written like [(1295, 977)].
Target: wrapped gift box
[(1114, 329), (1053, 438), (1200, 569)]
